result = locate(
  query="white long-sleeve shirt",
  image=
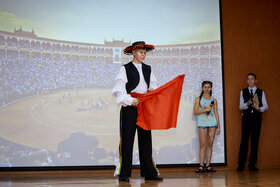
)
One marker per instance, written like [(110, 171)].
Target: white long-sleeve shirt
[(119, 89), (243, 106)]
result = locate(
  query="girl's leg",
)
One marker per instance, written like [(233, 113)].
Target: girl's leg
[(210, 140), (202, 144)]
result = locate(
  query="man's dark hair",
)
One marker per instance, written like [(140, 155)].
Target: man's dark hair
[(253, 74)]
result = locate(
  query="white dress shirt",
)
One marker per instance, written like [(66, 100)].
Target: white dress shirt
[(243, 106), (119, 89)]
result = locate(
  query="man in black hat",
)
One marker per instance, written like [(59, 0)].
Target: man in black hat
[(134, 77)]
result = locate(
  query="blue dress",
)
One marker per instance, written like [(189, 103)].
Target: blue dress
[(205, 120)]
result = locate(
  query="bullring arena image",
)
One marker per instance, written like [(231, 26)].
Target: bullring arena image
[(57, 107)]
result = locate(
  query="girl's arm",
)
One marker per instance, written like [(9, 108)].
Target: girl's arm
[(217, 116), (196, 111)]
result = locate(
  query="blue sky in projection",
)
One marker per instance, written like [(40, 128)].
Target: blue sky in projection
[(92, 21)]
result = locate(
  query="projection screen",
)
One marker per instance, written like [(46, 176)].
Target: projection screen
[(58, 63)]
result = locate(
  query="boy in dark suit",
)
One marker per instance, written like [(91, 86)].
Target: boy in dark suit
[(253, 103)]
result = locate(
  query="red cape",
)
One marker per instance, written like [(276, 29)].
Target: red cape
[(159, 109)]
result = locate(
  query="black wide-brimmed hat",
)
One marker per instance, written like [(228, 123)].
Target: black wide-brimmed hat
[(139, 45)]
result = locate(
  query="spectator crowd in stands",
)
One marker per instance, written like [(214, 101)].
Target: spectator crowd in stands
[(30, 67)]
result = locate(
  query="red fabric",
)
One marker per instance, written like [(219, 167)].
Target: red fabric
[(159, 109)]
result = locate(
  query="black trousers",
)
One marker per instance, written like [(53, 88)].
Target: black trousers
[(128, 118), (251, 125)]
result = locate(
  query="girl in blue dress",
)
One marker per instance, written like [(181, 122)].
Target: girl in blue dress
[(206, 110)]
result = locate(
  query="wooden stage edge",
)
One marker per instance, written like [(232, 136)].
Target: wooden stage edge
[(179, 176), (110, 171)]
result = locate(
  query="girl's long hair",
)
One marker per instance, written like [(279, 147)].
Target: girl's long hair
[(203, 83)]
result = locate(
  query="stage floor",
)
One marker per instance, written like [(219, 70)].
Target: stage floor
[(174, 177)]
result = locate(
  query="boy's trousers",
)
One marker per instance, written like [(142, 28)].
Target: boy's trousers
[(251, 125), (128, 119)]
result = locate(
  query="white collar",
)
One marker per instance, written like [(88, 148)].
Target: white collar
[(254, 88), (137, 65)]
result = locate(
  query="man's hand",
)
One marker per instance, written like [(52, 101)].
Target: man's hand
[(149, 90), (256, 106), (135, 102), (249, 103)]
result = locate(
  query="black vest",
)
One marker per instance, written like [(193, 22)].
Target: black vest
[(247, 96), (133, 77)]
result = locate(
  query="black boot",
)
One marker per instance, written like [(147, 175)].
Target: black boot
[(123, 179)]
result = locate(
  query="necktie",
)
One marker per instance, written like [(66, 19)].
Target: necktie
[(251, 92)]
